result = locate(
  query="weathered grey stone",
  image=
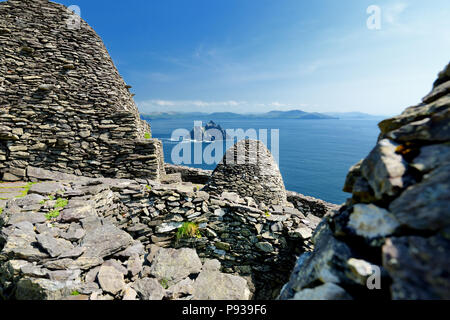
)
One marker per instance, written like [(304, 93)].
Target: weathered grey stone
[(134, 265), (173, 265), (116, 265), (129, 294), (20, 245), (74, 233), (46, 188), (77, 213), (433, 129), (424, 206), (137, 248), (303, 233), (110, 279), (385, 170), (149, 289), (64, 275), (327, 291), (181, 289), (226, 287), (42, 289), (415, 113), (360, 270), (264, 246), (371, 221), (431, 157), (105, 241), (353, 174), (55, 247), (328, 262), (418, 267), (167, 227), (32, 217), (211, 265)]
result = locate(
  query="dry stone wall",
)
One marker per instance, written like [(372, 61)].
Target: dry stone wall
[(391, 240), (63, 104), (37, 245)]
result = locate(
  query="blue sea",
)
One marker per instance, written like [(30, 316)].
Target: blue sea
[(314, 155)]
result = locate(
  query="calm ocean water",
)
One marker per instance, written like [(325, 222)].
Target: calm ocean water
[(314, 155)]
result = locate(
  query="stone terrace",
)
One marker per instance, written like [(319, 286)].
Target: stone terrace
[(58, 234)]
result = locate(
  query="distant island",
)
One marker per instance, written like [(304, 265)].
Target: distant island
[(356, 116), (210, 132), (292, 114)]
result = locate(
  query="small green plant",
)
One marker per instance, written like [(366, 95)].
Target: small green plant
[(43, 201), (267, 214), (147, 135), (188, 230), (164, 283), (148, 187), (75, 293), (26, 189), (1, 210), (51, 197), (52, 214), (61, 203)]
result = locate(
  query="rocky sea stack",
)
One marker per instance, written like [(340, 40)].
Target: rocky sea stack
[(210, 132)]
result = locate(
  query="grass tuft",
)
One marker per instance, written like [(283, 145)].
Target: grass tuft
[(164, 283), (188, 230), (52, 214), (61, 203)]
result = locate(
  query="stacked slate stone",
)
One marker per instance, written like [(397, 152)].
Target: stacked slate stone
[(68, 240), (66, 227), (188, 174), (397, 221), (63, 104), (249, 170)]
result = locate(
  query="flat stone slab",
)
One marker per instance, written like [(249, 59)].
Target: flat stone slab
[(10, 190), (10, 195), (45, 188), (13, 185)]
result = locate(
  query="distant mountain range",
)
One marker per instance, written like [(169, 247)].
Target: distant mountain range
[(292, 114), (355, 116)]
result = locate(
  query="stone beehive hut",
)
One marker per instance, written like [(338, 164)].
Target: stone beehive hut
[(249, 170), (63, 103), (393, 234)]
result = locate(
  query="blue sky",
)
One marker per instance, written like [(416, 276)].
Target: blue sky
[(261, 55)]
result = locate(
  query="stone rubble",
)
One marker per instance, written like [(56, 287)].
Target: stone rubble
[(117, 239)]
